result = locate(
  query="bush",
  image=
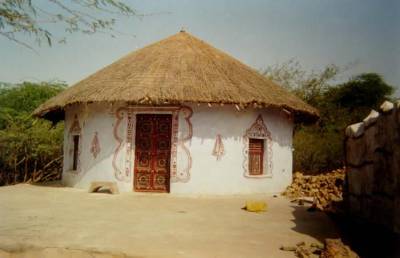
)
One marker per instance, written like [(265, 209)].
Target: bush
[(317, 152), (319, 148), (31, 149)]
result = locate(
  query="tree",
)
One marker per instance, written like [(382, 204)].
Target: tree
[(319, 147), (24, 98), (365, 90), (32, 18), (308, 86)]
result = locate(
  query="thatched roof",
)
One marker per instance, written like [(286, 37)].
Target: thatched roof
[(178, 69)]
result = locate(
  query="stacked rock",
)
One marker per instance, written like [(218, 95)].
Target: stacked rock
[(323, 189), (373, 166)]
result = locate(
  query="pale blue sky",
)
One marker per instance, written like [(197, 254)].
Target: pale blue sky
[(259, 33)]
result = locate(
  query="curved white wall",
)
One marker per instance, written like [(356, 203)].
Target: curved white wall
[(207, 174)]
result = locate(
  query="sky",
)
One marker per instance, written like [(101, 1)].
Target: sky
[(364, 34)]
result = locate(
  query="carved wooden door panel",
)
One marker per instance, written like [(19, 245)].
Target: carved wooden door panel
[(152, 152), (256, 156)]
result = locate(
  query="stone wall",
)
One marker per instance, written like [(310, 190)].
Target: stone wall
[(373, 167)]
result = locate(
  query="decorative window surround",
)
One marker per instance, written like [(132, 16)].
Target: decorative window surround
[(258, 130), (130, 113)]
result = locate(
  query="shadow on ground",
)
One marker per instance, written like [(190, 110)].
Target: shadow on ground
[(305, 224), (366, 239)]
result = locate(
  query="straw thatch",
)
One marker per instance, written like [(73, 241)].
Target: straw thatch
[(178, 69)]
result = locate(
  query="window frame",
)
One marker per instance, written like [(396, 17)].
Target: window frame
[(75, 148), (75, 155), (254, 152), (258, 130)]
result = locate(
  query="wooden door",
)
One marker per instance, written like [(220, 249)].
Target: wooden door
[(152, 152), (256, 156)]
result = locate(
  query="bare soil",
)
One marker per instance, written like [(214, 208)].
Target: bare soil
[(48, 221)]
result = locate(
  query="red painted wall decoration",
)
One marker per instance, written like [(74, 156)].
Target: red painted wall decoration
[(95, 145), (174, 144), (184, 174), (119, 175), (218, 150), (75, 128)]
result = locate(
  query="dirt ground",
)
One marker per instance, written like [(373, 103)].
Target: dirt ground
[(48, 221)]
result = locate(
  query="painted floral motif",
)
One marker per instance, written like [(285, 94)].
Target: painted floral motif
[(174, 143), (258, 130), (219, 149), (121, 175), (184, 174), (95, 145)]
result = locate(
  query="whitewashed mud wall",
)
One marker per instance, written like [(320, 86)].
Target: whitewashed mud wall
[(209, 146), (373, 167), (96, 121), (226, 174)]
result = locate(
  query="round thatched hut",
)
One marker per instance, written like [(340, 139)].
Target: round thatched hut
[(178, 116)]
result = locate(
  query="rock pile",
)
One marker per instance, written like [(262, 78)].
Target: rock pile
[(323, 189), (333, 248), (303, 250)]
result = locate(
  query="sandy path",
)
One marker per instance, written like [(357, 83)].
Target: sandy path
[(151, 225)]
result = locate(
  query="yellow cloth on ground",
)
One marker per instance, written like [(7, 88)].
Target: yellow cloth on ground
[(256, 206)]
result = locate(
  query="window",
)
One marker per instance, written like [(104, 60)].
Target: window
[(256, 156), (257, 150), (74, 142), (76, 152)]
